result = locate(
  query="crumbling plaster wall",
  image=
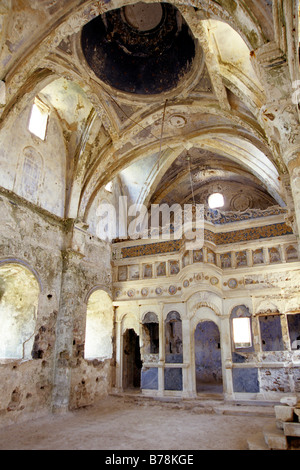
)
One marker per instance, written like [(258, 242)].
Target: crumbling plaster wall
[(68, 262), (44, 183)]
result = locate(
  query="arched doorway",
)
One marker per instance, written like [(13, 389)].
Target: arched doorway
[(208, 362), (132, 363)]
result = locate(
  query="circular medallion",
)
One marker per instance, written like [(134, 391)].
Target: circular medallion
[(186, 283), (130, 293), (214, 281), (158, 290), (241, 202), (144, 292), (232, 283), (172, 290), (177, 121)]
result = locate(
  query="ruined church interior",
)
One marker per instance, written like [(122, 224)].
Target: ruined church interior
[(108, 328)]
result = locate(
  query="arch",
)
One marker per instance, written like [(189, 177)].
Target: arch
[(12, 260), (208, 306), (99, 326), (236, 147), (150, 317), (150, 332), (94, 289), (19, 297), (130, 321), (29, 174)]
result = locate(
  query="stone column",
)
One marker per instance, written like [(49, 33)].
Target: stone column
[(187, 371), (119, 348), (161, 359), (225, 337)]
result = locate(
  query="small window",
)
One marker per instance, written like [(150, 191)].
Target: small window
[(216, 200), (109, 187), (242, 332), (39, 119)]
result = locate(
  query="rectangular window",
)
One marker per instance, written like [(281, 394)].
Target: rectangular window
[(39, 119), (242, 332)]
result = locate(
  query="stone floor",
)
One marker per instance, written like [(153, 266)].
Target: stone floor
[(120, 423)]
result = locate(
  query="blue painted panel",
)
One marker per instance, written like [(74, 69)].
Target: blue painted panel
[(150, 378), (245, 380), (173, 379)]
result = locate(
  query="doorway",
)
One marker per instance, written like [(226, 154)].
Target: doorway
[(208, 362), (132, 363)]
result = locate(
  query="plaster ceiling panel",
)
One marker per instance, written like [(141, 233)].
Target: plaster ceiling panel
[(68, 99), (232, 50)]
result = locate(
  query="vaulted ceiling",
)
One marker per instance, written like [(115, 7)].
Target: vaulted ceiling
[(170, 101)]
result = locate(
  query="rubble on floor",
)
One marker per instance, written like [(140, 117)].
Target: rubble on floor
[(284, 434)]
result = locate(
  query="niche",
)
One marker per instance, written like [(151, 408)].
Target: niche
[(173, 335), (151, 334)]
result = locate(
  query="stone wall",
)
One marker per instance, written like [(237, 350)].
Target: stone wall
[(68, 264)]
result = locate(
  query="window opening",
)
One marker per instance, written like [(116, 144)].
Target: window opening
[(242, 332), (216, 200), (271, 334), (39, 119)]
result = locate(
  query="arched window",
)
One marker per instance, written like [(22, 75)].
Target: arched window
[(30, 177), (19, 295), (173, 335), (99, 326)]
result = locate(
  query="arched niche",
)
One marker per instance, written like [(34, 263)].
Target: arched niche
[(173, 338), (19, 297), (150, 334)]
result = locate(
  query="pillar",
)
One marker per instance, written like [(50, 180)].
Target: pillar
[(70, 302)]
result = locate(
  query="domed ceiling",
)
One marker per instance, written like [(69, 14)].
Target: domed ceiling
[(144, 48)]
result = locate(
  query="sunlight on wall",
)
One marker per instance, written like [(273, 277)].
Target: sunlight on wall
[(99, 326)]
